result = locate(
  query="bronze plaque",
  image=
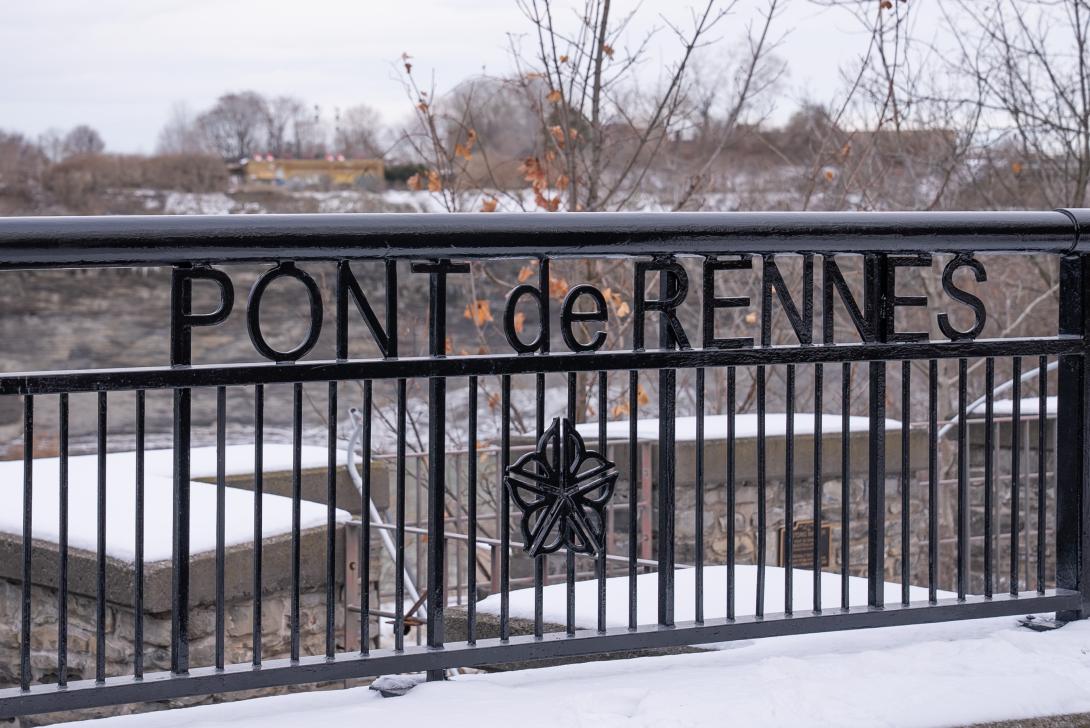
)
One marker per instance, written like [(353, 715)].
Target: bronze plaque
[(802, 555)]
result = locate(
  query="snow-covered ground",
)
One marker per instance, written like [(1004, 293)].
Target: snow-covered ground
[(929, 675), (158, 505), (554, 596)]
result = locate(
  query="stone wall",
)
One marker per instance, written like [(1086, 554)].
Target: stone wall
[(121, 648), (120, 620)]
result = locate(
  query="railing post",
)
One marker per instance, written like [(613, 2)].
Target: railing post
[(1072, 441), (668, 288), (437, 488), (181, 340), (876, 268)]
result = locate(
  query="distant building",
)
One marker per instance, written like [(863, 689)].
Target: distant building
[(266, 171)]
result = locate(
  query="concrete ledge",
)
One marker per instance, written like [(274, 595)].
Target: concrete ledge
[(238, 569)]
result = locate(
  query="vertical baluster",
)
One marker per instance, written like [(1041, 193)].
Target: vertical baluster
[(437, 470), (603, 385), (762, 488), (1042, 478), (989, 473), (100, 564), (845, 481), (882, 294), (569, 555), (669, 286), (471, 516), (138, 546), (906, 499), (819, 384), (541, 560), (963, 484), (331, 522), (296, 511), (399, 522), (221, 490), (698, 511), (633, 492), (365, 527), (1016, 467), (876, 482), (932, 480), (259, 492), (789, 494), (25, 674), (731, 429), (62, 541), (505, 509), (181, 341)]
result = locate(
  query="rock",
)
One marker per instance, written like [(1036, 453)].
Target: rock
[(392, 686)]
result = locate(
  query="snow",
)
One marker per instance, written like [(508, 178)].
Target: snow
[(554, 596), (954, 673), (1029, 407), (158, 503), (745, 426)]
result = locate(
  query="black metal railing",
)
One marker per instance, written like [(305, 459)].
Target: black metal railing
[(558, 495)]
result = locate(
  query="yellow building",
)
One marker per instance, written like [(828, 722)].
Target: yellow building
[(320, 173)]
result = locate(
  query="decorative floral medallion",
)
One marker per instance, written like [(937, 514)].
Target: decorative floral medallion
[(562, 489)]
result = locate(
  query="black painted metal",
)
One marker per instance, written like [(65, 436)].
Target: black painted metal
[(732, 384), (365, 509), (562, 489), (28, 509), (1042, 454), (819, 490), (656, 242), (932, 480), (100, 560), (471, 516), (633, 494), (296, 515), (906, 477), (221, 519), (156, 240), (138, 547), (963, 484), (62, 542), (1072, 434), (1016, 469), (989, 474), (259, 490), (789, 493), (845, 481), (331, 522)]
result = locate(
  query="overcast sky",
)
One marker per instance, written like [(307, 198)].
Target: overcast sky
[(120, 65)]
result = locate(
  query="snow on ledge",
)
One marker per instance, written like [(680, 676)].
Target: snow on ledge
[(158, 500), (715, 590), (745, 426)]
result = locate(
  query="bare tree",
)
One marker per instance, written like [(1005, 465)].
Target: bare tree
[(309, 134), (83, 140), (234, 126), (280, 114), (181, 134), (357, 132), (1032, 58)]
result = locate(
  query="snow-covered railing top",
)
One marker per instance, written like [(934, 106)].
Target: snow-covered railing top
[(158, 484)]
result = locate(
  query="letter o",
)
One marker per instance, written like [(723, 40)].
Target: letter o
[(253, 313)]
